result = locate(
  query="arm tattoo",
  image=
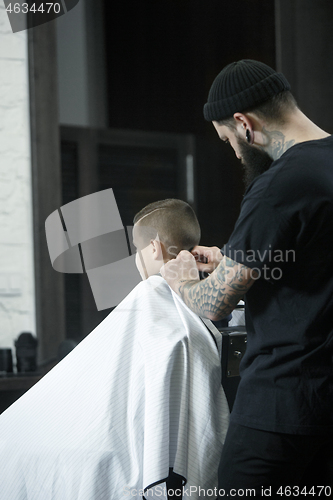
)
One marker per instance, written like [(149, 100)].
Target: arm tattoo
[(216, 296)]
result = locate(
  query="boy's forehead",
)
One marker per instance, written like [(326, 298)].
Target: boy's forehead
[(135, 233), (138, 234), (138, 230), (142, 234)]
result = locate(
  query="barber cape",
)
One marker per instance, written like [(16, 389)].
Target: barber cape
[(140, 394)]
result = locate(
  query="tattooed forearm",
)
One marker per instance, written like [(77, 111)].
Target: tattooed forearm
[(216, 296)]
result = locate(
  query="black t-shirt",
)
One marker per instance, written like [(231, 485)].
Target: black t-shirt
[(285, 231)]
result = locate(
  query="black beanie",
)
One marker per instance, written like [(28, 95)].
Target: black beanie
[(240, 86)]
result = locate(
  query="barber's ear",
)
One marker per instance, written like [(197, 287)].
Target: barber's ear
[(244, 120), (245, 126), (156, 249)]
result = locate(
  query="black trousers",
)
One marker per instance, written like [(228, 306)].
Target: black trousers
[(275, 465)]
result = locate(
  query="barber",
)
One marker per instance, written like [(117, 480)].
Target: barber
[(280, 258)]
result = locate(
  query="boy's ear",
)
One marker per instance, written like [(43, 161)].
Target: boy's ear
[(157, 251)]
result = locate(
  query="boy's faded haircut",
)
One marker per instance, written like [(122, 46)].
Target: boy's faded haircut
[(174, 221)]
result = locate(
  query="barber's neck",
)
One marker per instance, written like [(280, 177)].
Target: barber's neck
[(277, 139)]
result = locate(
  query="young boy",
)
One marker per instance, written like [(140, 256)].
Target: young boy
[(137, 398), (161, 230)]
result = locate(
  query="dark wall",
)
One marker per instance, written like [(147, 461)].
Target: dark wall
[(162, 56), (304, 46), (161, 60)]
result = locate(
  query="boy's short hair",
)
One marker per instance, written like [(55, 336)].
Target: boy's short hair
[(174, 221)]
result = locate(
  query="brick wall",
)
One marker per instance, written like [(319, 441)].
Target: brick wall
[(17, 297)]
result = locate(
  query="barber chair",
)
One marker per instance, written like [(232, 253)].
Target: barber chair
[(234, 340), (233, 348)]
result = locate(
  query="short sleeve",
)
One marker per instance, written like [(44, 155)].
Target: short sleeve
[(262, 237)]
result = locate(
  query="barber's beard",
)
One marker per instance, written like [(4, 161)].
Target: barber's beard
[(255, 161)]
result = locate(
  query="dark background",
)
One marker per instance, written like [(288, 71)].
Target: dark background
[(145, 68), (161, 58)]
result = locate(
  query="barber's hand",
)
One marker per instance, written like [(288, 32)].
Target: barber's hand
[(182, 268), (208, 258)]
